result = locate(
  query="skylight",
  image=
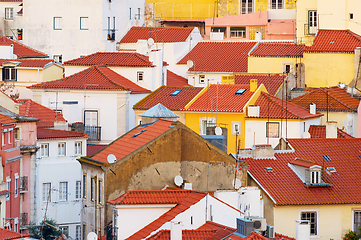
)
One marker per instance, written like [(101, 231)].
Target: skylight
[(332, 42), (240, 91), (175, 93), (331, 169), (327, 158), (268, 169)]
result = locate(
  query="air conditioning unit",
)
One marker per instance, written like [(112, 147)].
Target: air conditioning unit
[(258, 223), (270, 231)]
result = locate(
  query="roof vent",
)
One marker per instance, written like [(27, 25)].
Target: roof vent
[(268, 169), (330, 170), (137, 134)]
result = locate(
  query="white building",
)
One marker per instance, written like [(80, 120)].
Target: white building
[(58, 178), (70, 29), (11, 22)]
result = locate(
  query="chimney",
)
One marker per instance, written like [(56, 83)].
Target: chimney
[(175, 230), (331, 129), (262, 151), (253, 111), (302, 230), (253, 85), (156, 57), (313, 108)]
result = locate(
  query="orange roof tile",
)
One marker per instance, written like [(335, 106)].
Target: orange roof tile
[(274, 107), (91, 149), (286, 188), (222, 98), (21, 50), (159, 34), (272, 81), (338, 99), (278, 50), (133, 140), (163, 95), (319, 131), (256, 236), (120, 59), (36, 63), (100, 78), (47, 116), (174, 80), (186, 234), (334, 41), (221, 230), (9, 235), (45, 133), (219, 56), (6, 120)]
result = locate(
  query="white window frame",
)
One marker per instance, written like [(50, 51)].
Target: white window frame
[(63, 191), (9, 137), (84, 23), (8, 181), (89, 117), (58, 58), (16, 185), (274, 4), (310, 210), (354, 219), (202, 78), (245, 6), (9, 13), (61, 148), (315, 174), (238, 33), (78, 190), (57, 23), (100, 187), (234, 127), (92, 189), (46, 192), (11, 72), (64, 229), (268, 132), (3, 138), (17, 133), (202, 121), (78, 147), (284, 67), (77, 232), (140, 76), (312, 20), (44, 149)]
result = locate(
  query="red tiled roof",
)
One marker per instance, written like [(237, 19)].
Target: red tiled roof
[(91, 149), (338, 99), (21, 50), (174, 80), (278, 50), (6, 120), (20, 11), (120, 59), (9, 235), (45, 133), (274, 107), (319, 131), (222, 98), (130, 142), (162, 95), (159, 34), (219, 56), (100, 78), (286, 188), (334, 41), (36, 63), (47, 116), (221, 230), (272, 82), (186, 234), (256, 236)]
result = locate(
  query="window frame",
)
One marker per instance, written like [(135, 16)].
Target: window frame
[(92, 189), (64, 229), (238, 30), (354, 228), (61, 149), (78, 232), (17, 133), (57, 25), (78, 150), (7, 13), (9, 74), (202, 120), (316, 225), (220, 29), (100, 187), (202, 79), (234, 123), (84, 231), (42, 154), (312, 21), (245, 6), (274, 4), (268, 130), (63, 195), (78, 189), (46, 194), (58, 58), (84, 21), (84, 185), (8, 181), (16, 185), (91, 118), (140, 76)]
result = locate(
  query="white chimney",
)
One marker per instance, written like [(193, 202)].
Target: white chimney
[(253, 111), (302, 230), (313, 108), (175, 230), (331, 129), (156, 57)]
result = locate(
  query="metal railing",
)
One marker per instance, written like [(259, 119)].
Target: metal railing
[(24, 183), (94, 132)]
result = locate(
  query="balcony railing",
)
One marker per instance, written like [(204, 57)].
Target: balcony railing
[(310, 30), (23, 184), (24, 220), (94, 132)]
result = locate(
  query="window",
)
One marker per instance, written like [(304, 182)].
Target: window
[(77, 232), (256, 31), (84, 231), (8, 180), (357, 220), (247, 6), (64, 229), (92, 189), (84, 23), (220, 29), (44, 150), (9, 137), (130, 13), (100, 191), (78, 148), (202, 79), (78, 189), (16, 227), (312, 217), (84, 185), (58, 22), (91, 118), (276, 4), (204, 123), (140, 76), (176, 92), (9, 13), (63, 191), (9, 74), (3, 138), (351, 16), (46, 192), (17, 133), (138, 14), (61, 149), (238, 32), (315, 174), (240, 91), (272, 129), (236, 128), (16, 186), (312, 22), (58, 58)]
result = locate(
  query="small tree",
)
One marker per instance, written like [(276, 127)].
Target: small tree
[(352, 235), (48, 227)]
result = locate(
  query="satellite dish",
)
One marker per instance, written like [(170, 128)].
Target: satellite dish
[(178, 180), (218, 131), (236, 185), (150, 42), (92, 236), (190, 63), (111, 158)]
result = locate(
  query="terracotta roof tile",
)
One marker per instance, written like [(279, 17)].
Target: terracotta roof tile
[(133, 140), (36, 63), (159, 34), (219, 56), (274, 107), (186, 234), (334, 41), (9, 235), (21, 50), (319, 131), (256, 236), (338, 99), (6, 120), (221, 230), (272, 82), (91, 149), (286, 188), (45, 133), (163, 95), (278, 50), (174, 80), (94, 78), (121, 59), (47, 116), (222, 98)]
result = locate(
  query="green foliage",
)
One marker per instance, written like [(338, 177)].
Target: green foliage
[(49, 227), (352, 235)]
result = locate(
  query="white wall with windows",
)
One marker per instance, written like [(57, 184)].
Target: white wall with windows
[(201, 79), (11, 20), (58, 182)]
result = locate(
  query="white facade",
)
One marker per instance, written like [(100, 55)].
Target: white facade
[(255, 130), (201, 79), (10, 20), (75, 28), (59, 173)]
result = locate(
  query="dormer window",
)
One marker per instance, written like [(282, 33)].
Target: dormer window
[(315, 174)]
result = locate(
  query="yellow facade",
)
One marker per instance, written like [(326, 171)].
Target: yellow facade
[(328, 69), (303, 8), (271, 64)]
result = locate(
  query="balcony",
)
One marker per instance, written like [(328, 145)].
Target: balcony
[(24, 220), (94, 132), (309, 30), (24, 184)]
